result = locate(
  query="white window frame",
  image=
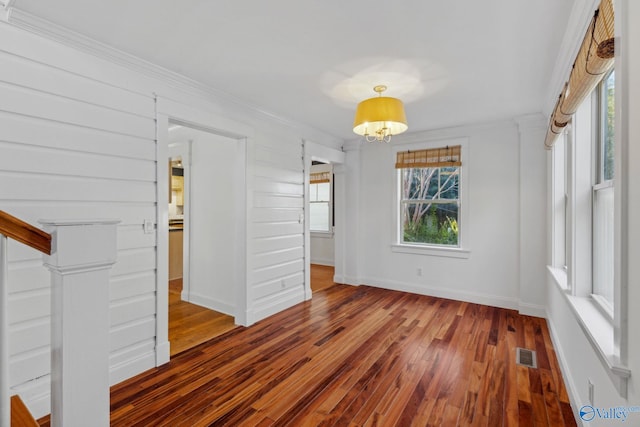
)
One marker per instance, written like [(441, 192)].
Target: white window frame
[(462, 250), (601, 326), (316, 169)]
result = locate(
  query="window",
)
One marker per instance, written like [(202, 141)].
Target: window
[(320, 200), (429, 196), (603, 197)]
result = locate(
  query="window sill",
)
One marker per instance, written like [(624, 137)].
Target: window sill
[(431, 251), (322, 234), (597, 328)]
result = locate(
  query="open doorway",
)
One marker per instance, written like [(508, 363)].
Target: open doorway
[(323, 214), (321, 225), (201, 303)]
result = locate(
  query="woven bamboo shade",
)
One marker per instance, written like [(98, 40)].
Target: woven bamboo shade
[(432, 158), (594, 60), (319, 177)]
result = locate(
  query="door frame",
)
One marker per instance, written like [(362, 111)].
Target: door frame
[(168, 110), (314, 151)]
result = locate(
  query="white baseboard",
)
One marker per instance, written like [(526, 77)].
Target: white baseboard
[(133, 367), (276, 303), (347, 280), (211, 303), (532, 310), (476, 298), (565, 372), (323, 261)]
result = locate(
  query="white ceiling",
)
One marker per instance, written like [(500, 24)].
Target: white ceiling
[(451, 61)]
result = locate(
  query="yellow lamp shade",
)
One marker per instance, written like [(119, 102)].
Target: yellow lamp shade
[(380, 116)]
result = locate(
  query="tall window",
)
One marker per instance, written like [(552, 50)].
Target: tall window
[(320, 201), (603, 197), (429, 196)]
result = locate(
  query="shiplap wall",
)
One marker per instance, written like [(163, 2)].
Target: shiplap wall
[(77, 140), (276, 230), (75, 147)]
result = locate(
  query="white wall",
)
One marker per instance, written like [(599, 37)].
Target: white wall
[(579, 360), (490, 274), (78, 141)]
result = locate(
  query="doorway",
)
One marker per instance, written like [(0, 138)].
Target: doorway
[(201, 303), (324, 178)]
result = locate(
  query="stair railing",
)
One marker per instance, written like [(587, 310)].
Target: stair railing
[(12, 227), (79, 255)]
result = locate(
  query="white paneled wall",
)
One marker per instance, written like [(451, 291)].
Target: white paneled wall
[(276, 277), (78, 141), (72, 147)]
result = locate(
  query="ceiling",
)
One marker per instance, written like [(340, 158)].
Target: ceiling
[(452, 62)]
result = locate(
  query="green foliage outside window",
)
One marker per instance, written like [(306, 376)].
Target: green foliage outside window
[(430, 205)]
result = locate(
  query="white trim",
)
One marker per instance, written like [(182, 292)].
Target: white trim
[(574, 396), (212, 304), (431, 250), (458, 295), (208, 121), (313, 151), (599, 332), (162, 242)]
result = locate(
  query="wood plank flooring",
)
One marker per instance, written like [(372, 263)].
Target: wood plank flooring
[(191, 324), (358, 356), (321, 277)]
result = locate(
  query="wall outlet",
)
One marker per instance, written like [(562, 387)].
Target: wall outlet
[(591, 391), (419, 271), (282, 284)]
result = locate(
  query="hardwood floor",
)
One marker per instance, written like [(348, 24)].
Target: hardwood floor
[(321, 277), (358, 356), (191, 324)]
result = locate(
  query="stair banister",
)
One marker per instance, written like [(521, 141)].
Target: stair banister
[(79, 259), (12, 227)]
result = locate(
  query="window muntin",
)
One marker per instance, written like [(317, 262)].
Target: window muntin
[(430, 206)]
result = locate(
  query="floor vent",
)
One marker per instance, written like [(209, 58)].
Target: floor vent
[(526, 357)]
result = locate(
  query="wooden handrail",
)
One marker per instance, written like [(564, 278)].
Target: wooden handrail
[(25, 233)]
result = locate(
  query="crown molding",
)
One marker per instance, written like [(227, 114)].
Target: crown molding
[(49, 30), (579, 20)]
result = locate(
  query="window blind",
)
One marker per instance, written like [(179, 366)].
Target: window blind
[(319, 177), (594, 60), (430, 158)]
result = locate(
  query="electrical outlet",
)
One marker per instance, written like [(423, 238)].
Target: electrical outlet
[(591, 391), (282, 284), (419, 271)]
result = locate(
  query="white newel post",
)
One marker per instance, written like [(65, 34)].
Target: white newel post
[(82, 253)]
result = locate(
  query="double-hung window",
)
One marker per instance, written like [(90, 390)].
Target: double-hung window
[(429, 209), (603, 197), (320, 201)]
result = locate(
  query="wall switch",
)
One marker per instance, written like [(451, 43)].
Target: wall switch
[(419, 271), (148, 226), (282, 284)]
